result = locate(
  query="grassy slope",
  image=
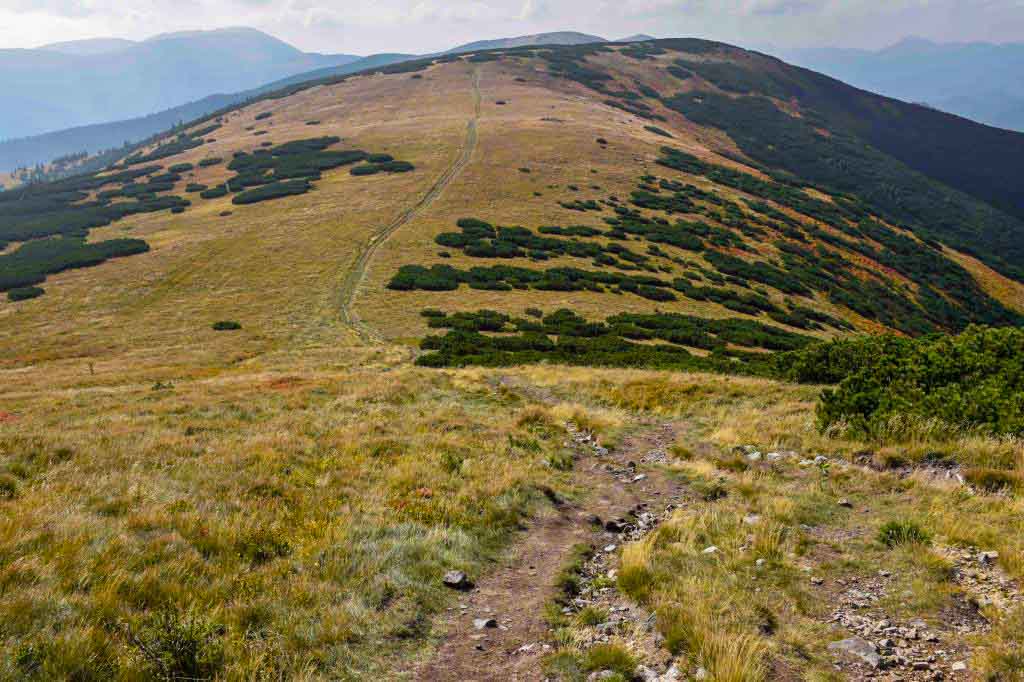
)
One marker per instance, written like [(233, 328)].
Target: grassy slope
[(287, 496)]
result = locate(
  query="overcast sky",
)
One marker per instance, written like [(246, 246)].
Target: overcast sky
[(368, 26)]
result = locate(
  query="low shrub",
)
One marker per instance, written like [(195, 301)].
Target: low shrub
[(214, 192), (274, 190), (24, 293), (226, 325), (384, 167), (974, 379)]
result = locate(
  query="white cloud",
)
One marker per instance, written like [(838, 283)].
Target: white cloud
[(366, 26)]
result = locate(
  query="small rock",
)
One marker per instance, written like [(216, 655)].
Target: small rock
[(483, 623), (457, 580), (860, 648), (672, 674), (846, 503), (600, 675), (646, 674), (701, 674), (754, 456), (959, 667), (817, 581), (820, 459), (988, 558), (759, 563), (614, 527), (610, 548), (752, 519), (710, 550), (774, 456)]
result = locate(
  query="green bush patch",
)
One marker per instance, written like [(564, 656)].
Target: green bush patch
[(973, 379), (24, 293), (658, 131), (34, 260), (489, 338)]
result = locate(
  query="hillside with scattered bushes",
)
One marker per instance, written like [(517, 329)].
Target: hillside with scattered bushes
[(650, 360)]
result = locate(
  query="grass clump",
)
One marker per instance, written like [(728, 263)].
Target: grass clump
[(179, 646), (591, 616), (8, 487), (903, 532), (568, 580), (994, 480), (613, 657), (226, 326)]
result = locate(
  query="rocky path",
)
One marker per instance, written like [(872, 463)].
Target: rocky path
[(355, 276), (498, 631)]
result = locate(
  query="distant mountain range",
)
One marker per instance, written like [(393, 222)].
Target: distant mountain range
[(559, 38), (258, 52), (93, 81), (980, 81)]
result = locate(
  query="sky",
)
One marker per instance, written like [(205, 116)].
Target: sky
[(421, 26)]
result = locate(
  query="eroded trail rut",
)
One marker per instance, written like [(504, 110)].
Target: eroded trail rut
[(516, 593), (355, 276)]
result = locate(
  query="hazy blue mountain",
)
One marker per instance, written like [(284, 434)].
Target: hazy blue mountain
[(559, 38), (28, 151), (90, 47), (981, 81), (88, 82)]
